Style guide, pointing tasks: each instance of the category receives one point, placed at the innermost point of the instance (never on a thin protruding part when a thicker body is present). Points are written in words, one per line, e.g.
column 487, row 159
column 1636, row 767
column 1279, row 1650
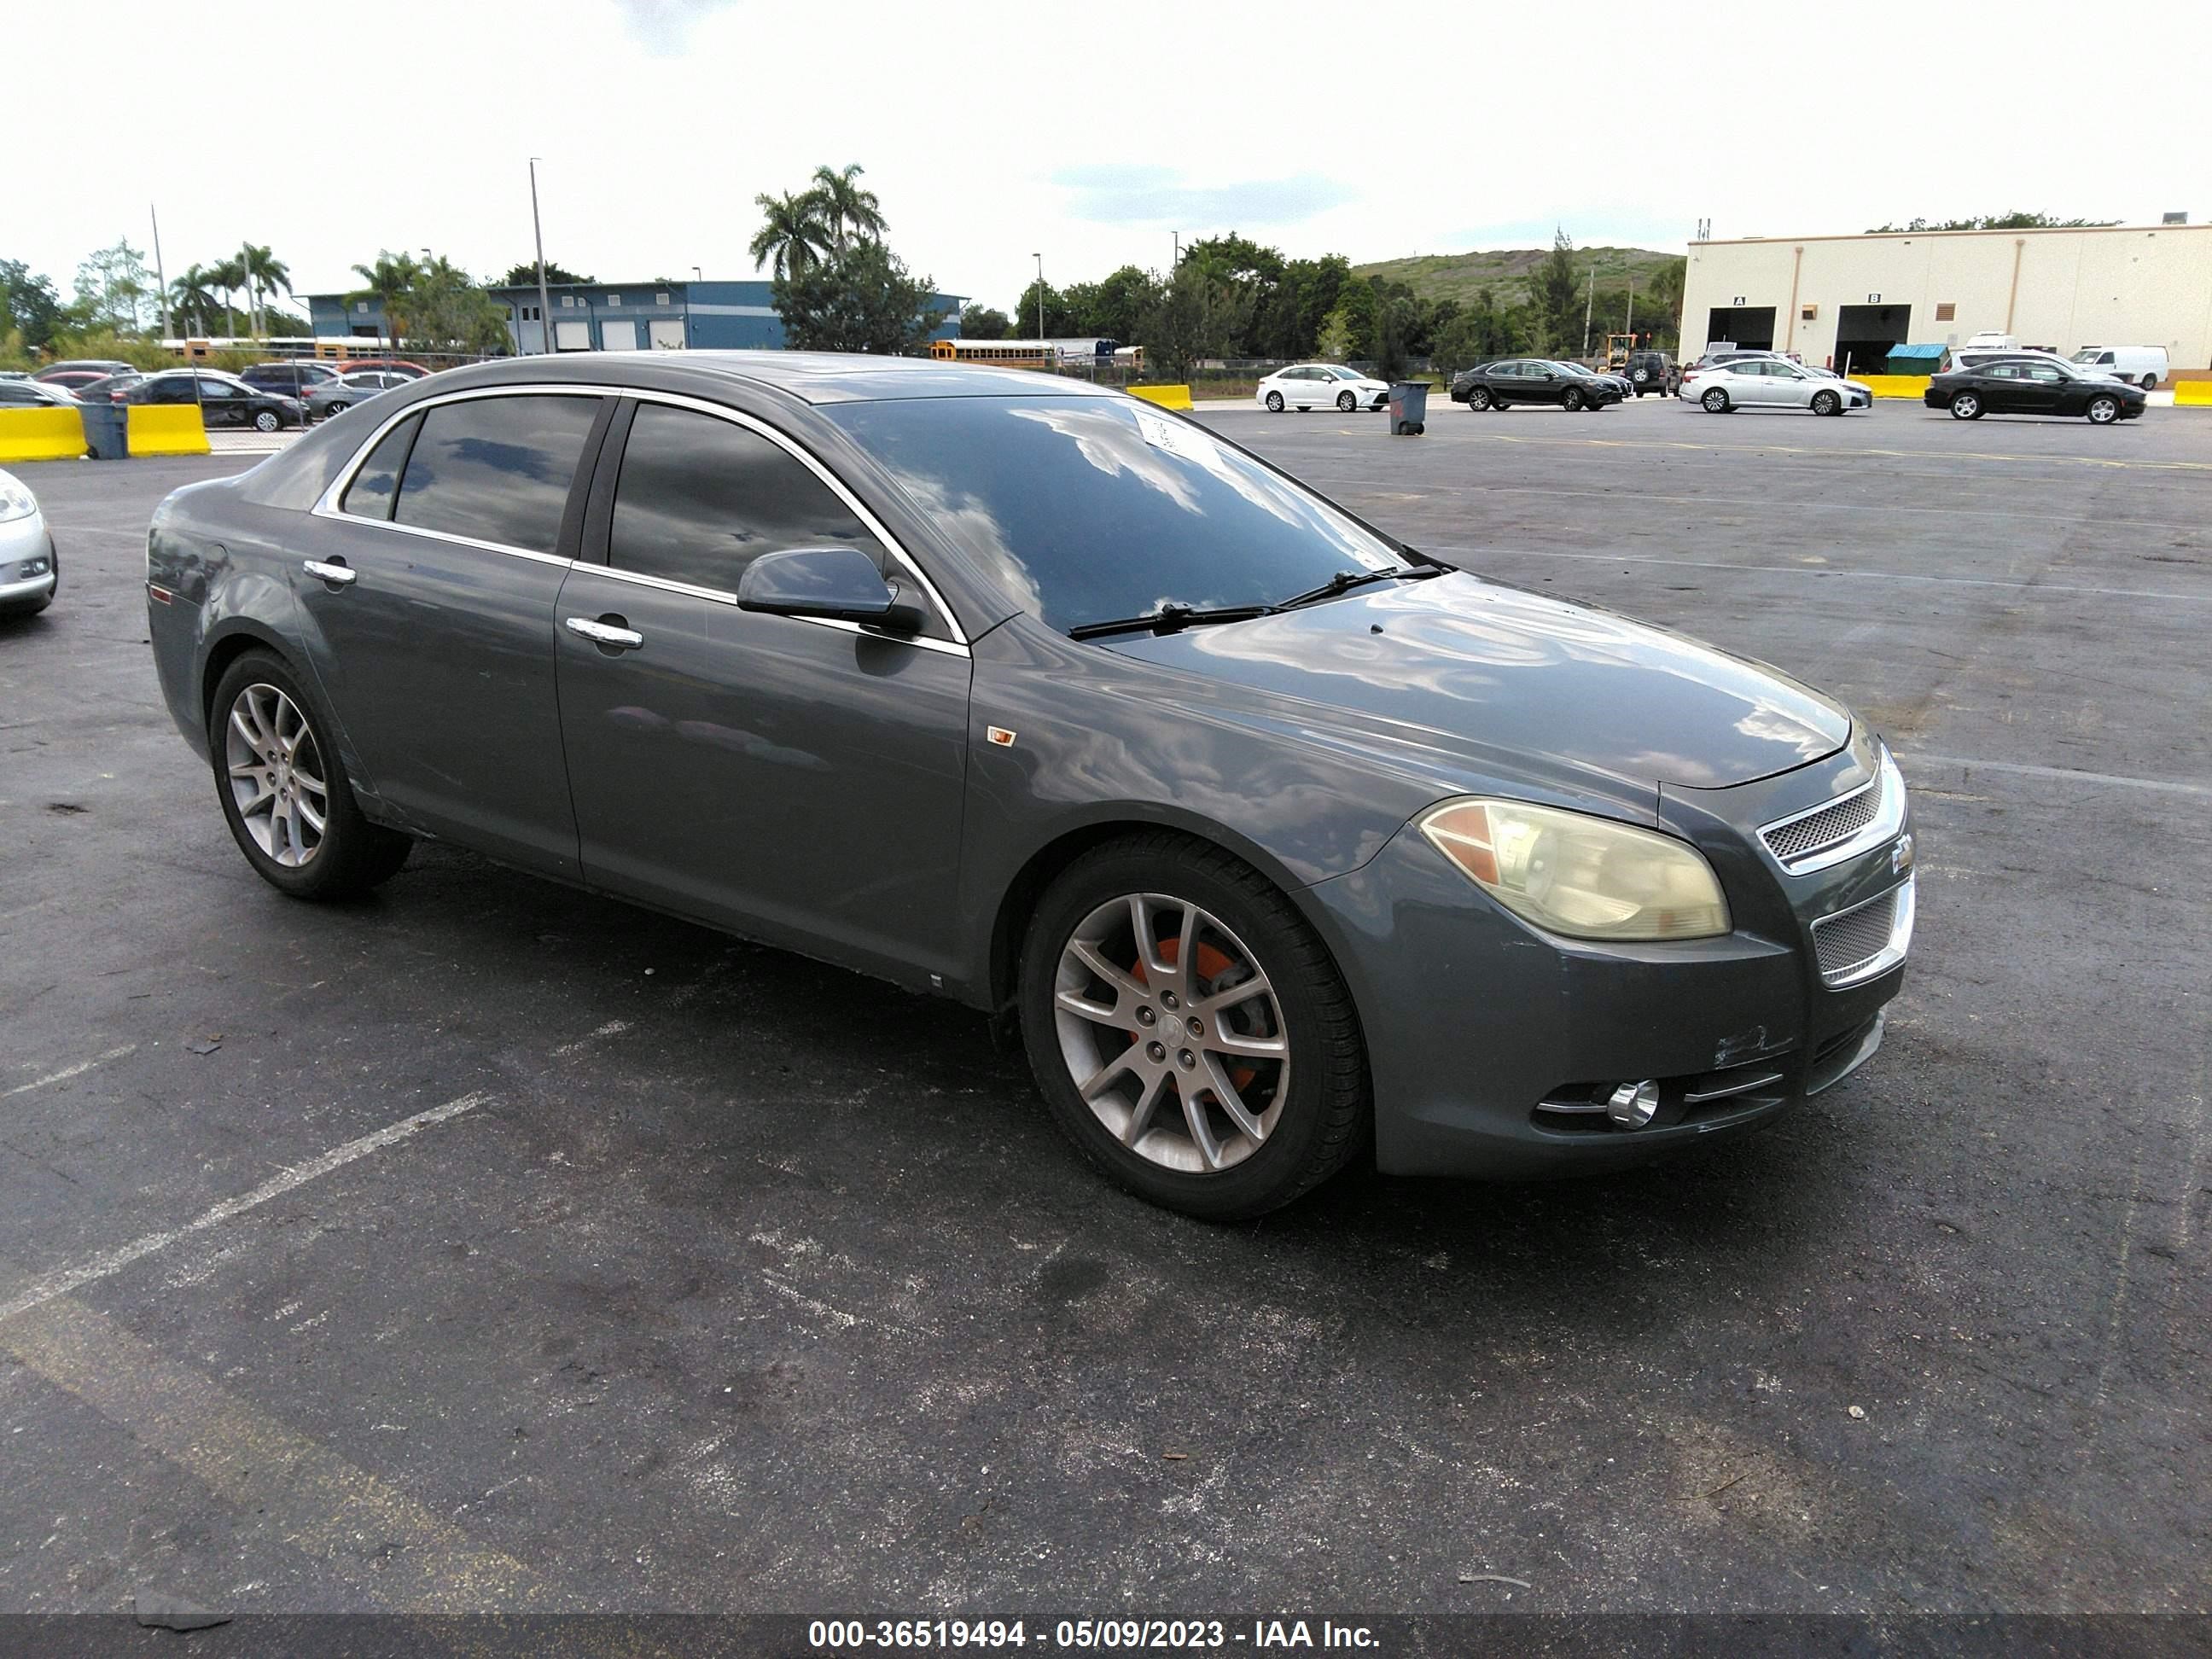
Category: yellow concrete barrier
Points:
column 2197, row 393
column 1894, row 386
column 166, row 429
column 1167, row 397
column 41, row 434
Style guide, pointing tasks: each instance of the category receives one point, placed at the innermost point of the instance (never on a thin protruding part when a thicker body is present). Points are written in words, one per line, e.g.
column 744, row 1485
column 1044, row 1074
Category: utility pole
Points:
column 1177, row 260
column 160, row 276
column 252, row 312
column 1039, row 258
column 1630, row 327
column 544, row 298
column 1589, row 305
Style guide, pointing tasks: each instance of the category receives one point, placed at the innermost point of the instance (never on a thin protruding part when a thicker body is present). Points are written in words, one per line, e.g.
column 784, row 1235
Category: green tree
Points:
column 448, row 312
column 2014, row 221
column 860, row 299
column 111, row 285
column 1059, row 316
column 1115, row 307
column 526, row 275
column 227, row 277
column 28, row 303
column 1193, row 315
column 793, row 237
column 1557, row 298
column 264, row 274
column 191, row 297
column 389, row 281
column 847, row 210
column 983, row 322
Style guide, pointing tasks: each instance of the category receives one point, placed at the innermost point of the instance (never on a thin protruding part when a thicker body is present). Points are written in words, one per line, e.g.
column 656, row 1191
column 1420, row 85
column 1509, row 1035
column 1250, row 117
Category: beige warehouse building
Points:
column 1829, row 298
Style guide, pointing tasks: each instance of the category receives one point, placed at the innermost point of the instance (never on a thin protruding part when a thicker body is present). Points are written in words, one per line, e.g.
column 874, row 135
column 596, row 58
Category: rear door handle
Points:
column 339, row 574
column 610, row 634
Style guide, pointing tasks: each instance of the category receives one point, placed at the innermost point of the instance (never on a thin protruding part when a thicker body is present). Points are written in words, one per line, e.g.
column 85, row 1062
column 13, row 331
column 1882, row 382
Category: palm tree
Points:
column 265, row 269
column 193, row 294
column 229, row 276
column 391, row 283
column 846, row 209
column 792, row 237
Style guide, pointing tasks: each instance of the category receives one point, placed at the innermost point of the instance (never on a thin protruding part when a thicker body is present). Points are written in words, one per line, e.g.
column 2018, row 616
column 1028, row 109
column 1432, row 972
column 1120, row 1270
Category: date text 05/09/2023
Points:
column 1092, row 1635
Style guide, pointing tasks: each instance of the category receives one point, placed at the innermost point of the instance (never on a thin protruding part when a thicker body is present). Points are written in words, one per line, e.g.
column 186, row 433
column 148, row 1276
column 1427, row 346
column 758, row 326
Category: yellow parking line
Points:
column 1887, row 454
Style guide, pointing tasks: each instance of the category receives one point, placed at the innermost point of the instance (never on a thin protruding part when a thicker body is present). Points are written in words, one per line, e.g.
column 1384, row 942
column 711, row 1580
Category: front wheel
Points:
column 283, row 791
column 1715, row 402
column 1274, row 403
column 1826, row 403
column 1346, row 402
column 2102, row 410
column 1573, row 400
column 1965, row 407
column 1189, row 1031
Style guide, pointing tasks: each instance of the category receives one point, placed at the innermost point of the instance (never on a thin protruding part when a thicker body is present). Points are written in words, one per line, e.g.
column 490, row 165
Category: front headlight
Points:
column 1588, row 877
column 15, row 501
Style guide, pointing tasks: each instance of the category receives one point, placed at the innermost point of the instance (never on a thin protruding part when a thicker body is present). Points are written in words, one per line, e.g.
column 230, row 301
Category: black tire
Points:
column 1965, row 406
column 1826, row 403
column 1481, row 401
column 353, row 855
column 1325, row 1120
column 1572, row 400
column 334, row 407
column 268, row 420
column 1346, row 402
column 2103, row 408
column 1274, row 403
column 1715, row 401
column 2150, row 383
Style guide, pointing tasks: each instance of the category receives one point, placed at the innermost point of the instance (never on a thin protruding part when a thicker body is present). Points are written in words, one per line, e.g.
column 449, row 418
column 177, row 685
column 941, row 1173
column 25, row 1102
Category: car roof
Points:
column 813, row 377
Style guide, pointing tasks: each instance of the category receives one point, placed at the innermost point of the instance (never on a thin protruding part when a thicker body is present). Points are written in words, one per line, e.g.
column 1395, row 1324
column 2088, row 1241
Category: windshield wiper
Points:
column 1170, row 617
column 1345, row 580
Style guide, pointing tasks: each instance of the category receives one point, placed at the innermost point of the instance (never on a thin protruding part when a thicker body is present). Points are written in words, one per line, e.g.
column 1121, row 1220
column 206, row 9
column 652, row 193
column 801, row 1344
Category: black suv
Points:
column 1652, row 371
column 290, row 379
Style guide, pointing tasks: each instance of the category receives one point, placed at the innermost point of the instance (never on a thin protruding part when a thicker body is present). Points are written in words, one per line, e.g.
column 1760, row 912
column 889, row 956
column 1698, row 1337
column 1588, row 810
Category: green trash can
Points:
column 1409, row 408
column 106, row 433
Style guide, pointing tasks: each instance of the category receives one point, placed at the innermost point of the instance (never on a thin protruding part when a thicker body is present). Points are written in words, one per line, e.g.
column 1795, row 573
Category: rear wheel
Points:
column 1715, row 402
column 2103, row 408
column 267, row 421
column 1275, row 403
column 283, row 792
column 1189, row 1031
column 1480, row 400
column 1965, row 406
column 2150, row 382
column 1826, row 403
column 1346, row 402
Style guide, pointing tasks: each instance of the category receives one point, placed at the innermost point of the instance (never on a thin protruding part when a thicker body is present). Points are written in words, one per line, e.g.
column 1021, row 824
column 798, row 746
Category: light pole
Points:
column 545, row 299
column 1039, row 258
column 1589, row 305
column 160, row 276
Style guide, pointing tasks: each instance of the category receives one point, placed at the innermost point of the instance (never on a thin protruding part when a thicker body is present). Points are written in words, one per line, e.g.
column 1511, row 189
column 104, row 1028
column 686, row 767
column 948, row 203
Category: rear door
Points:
column 435, row 645
column 793, row 780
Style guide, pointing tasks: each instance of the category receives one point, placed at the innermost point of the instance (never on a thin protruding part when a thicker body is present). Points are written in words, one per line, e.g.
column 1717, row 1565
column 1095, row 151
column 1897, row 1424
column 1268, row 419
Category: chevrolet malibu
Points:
column 1282, row 842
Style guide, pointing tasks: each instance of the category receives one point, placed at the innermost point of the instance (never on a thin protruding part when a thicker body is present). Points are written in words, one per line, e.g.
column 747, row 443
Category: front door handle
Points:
column 338, row 575
column 612, row 635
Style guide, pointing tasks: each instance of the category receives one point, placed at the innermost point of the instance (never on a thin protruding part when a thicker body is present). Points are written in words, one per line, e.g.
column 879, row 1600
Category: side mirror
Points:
column 839, row 583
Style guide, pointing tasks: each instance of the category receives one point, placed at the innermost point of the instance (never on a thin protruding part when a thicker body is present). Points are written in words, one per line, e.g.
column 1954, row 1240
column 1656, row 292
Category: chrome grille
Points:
column 1801, row 838
column 1855, row 937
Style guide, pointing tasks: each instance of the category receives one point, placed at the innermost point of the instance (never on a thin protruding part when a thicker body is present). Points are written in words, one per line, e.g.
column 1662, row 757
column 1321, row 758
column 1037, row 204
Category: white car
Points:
column 1775, row 383
column 1321, row 385
column 30, row 575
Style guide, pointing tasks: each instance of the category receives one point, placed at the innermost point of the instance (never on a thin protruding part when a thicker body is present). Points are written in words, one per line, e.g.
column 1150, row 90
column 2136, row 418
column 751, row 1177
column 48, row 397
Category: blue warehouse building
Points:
column 619, row 316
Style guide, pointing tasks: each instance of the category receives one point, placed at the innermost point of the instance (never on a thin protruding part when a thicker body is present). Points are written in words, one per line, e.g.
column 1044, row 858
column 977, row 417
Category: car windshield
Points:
column 1092, row 509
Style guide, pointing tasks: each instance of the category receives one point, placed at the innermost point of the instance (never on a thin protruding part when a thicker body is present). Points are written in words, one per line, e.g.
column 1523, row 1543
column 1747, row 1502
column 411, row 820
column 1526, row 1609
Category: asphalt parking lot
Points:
column 717, row 1280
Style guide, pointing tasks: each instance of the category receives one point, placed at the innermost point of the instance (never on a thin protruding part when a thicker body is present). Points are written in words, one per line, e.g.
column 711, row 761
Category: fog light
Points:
column 1633, row 1104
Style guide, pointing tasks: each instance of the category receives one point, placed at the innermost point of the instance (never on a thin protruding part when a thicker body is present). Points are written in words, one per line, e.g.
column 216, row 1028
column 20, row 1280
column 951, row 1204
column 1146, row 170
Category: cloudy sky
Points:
column 1087, row 132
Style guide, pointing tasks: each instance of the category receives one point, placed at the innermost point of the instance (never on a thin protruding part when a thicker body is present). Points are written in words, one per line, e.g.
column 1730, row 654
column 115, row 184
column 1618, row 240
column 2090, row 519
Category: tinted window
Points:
column 497, row 468
column 2043, row 372
column 370, row 494
column 1091, row 509
column 700, row 498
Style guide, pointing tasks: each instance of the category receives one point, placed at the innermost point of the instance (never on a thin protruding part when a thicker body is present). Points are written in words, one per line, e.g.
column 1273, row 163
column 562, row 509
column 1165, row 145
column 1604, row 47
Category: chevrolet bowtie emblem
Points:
column 1901, row 855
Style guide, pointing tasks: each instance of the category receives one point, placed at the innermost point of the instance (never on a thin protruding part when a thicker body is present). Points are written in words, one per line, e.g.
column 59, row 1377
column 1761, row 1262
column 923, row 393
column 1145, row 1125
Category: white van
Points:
column 2144, row 365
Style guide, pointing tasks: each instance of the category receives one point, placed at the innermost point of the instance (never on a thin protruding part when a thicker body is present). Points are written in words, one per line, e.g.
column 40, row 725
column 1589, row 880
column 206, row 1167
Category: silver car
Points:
column 335, row 397
column 30, row 575
column 1776, row 383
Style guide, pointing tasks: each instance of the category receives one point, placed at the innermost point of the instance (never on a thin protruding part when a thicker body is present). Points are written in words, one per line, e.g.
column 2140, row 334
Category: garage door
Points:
column 572, row 337
column 668, row 334
column 620, row 336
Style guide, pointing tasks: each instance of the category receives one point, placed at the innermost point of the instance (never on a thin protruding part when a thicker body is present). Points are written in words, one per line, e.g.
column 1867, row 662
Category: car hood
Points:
column 1456, row 656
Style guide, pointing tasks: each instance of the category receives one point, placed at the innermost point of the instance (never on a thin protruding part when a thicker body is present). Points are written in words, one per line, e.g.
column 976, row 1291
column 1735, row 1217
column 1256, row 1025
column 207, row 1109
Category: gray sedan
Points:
column 341, row 392
column 1281, row 842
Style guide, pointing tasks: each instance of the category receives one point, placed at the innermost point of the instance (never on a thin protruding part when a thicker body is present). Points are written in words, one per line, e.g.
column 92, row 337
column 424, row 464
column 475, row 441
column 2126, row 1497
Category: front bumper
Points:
column 1493, row 1046
column 26, row 562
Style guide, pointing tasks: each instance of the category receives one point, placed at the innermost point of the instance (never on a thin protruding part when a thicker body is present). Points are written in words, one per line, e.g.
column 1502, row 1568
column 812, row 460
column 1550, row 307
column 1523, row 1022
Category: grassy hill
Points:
column 1505, row 271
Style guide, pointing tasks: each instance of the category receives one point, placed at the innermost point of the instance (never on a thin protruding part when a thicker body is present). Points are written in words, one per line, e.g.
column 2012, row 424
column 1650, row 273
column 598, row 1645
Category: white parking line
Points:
column 39, row 1291
column 68, row 1071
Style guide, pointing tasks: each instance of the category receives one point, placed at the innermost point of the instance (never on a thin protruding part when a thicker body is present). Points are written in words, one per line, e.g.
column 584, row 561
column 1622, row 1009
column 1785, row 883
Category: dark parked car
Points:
column 109, row 389
column 79, row 370
column 76, row 380
column 35, row 394
column 1279, row 839
column 1535, row 380
column 2033, row 386
column 288, row 380
column 1651, row 371
column 223, row 399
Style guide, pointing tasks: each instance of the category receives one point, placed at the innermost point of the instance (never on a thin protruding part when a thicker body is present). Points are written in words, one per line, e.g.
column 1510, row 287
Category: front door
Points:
column 795, row 781
column 435, row 642
column 1539, row 383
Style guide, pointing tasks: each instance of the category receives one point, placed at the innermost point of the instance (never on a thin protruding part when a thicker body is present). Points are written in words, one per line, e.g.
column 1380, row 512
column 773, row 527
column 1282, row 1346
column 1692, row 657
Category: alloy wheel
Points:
column 2104, row 409
column 1715, row 401
column 266, row 421
column 1172, row 1033
column 276, row 777
column 1965, row 406
column 1346, row 402
column 1479, row 398
column 1275, row 403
